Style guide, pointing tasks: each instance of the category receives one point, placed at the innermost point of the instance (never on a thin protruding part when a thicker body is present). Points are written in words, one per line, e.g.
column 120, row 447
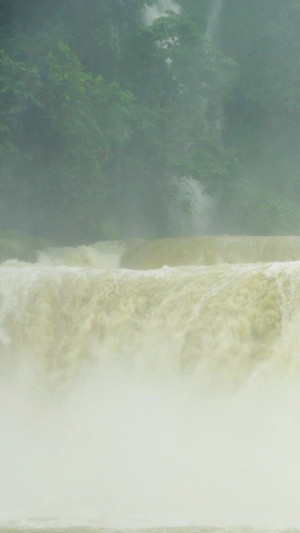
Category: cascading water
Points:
column 213, row 20
column 213, row 120
column 151, row 398
column 197, row 219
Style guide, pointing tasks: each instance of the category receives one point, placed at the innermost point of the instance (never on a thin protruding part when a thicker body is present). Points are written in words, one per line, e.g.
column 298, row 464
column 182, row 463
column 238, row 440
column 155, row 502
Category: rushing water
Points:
column 140, row 399
column 213, row 19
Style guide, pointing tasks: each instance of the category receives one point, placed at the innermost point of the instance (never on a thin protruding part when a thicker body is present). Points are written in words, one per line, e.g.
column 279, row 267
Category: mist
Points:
column 149, row 275
column 106, row 107
column 125, row 451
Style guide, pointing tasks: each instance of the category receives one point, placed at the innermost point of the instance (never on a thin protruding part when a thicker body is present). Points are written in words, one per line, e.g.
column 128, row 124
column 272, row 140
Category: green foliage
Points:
column 63, row 129
column 98, row 112
column 262, row 114
column 16, row 245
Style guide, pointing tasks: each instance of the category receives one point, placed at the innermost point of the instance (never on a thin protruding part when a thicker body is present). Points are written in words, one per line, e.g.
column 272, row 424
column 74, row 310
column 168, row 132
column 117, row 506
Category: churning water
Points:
column 139, row 398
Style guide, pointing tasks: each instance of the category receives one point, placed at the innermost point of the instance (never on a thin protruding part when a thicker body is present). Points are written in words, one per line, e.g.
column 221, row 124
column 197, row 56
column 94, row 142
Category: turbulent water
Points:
column 152, row 385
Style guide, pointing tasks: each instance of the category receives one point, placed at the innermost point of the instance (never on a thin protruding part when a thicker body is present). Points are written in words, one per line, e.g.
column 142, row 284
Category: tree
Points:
column 262, row 115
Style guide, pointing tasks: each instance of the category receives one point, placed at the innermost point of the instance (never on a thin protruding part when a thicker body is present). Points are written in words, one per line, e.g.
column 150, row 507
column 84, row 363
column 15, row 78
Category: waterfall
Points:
column 146, row 254
column 202, row 206
column 213, row 119
column 213, row 20
column 151, row 384
column 191, row 209
column 196, row 218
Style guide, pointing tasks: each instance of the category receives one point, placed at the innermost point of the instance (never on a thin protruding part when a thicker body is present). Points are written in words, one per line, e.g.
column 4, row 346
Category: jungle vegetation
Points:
column 100, row 110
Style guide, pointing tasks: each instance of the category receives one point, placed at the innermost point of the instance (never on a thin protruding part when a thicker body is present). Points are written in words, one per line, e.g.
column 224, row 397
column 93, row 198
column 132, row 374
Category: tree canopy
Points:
column 100, row 111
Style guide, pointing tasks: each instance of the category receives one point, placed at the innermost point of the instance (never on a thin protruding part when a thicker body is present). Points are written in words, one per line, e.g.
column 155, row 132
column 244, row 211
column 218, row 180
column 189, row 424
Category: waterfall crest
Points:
column 190, row 317
column 148, row 254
